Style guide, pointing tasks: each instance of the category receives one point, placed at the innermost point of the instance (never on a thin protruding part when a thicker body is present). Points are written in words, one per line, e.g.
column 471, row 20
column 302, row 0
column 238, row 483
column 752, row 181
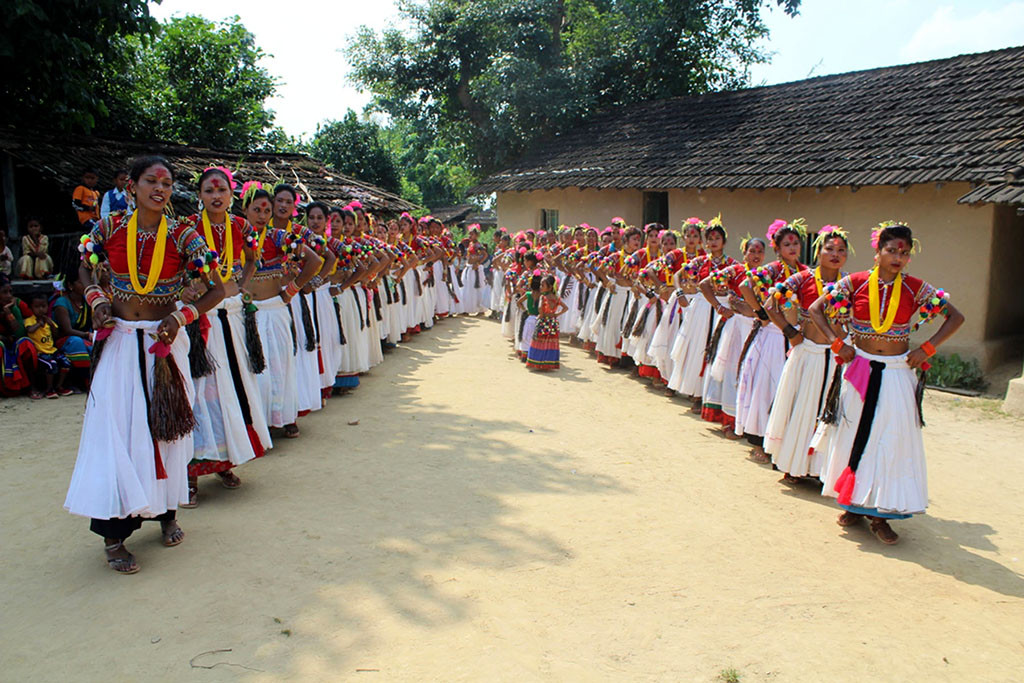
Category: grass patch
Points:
column 729, row 676
column 954, row 372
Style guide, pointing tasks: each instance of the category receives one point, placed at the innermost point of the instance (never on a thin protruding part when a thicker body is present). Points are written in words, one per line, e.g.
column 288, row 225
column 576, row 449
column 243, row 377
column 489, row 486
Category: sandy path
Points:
column 484, row 522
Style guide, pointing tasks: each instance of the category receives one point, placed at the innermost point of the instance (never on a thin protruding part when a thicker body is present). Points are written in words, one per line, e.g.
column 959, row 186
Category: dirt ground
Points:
column 482, row 522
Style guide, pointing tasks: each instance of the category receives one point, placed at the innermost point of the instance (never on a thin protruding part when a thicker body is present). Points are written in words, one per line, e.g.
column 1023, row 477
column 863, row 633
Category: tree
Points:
column 501, row 74
column 355, row 148
column 434, row 172
column 198, row 82
column 50, row 51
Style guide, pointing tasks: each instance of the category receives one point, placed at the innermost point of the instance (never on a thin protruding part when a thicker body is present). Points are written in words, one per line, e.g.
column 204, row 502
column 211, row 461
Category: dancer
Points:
column 809, row 370
column 137, row 432
column 231, row 427
column 876, row 461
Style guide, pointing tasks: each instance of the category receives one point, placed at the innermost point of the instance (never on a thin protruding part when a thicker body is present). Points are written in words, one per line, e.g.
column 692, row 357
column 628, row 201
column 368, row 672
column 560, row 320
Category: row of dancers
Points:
column 216, row 333
column 811, row 364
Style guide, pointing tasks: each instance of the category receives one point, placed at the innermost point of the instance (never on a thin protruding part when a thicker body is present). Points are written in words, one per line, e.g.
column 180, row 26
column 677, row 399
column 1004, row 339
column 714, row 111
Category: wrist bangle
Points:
column 837, row 345
column 762, row 314
column 180, row 317
column 789, row 331
column 928, row 348
column 292, row 289
column 189, row 313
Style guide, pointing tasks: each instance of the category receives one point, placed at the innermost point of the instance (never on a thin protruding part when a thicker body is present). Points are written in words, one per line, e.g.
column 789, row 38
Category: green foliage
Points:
column 198, row 82
column 356, row 148
column 955, row 372
column 49, row 53
column 729, row 676
column 498, row 75
column 432, row 170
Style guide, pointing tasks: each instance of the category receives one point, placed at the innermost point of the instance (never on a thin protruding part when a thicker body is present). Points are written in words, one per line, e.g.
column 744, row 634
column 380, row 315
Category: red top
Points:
column 239, row 228
column 915, row 292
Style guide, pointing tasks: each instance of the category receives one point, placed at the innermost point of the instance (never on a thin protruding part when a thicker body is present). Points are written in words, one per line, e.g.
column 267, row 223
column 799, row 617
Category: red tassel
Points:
column 204, row 327
column 844, row 486
column 254, row 441
column 161, row 473
column 320, row 361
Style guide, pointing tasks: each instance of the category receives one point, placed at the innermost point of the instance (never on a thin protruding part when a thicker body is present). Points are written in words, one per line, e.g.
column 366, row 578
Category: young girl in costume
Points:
column 74, row 325
column 876, row 463
column 660, row 348
column 688, row 362
column 723, row 357
column 808, row 373
column 529, row 303
column 285, row 264
column 543, row 353
column 231, row 427
column 137, row 432
column 766, row 347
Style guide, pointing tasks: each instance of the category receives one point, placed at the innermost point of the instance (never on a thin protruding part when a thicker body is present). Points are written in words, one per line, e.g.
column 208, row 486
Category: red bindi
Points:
column 215, row 183
column 161, row 172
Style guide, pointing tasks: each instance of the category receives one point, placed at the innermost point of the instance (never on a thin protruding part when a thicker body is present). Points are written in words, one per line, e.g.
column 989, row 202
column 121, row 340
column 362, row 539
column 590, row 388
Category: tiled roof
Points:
column 958, row 119
column 65, row 158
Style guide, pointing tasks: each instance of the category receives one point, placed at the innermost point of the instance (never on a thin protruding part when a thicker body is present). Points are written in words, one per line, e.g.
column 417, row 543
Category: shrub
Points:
column 955, row 372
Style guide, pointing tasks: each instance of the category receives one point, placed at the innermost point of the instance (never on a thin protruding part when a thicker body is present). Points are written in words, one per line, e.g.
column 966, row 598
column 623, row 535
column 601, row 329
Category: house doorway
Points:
column 656, row 208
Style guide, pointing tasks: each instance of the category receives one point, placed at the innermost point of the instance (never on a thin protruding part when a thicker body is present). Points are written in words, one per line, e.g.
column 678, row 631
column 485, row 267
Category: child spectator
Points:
column 115, row 199
column 74, row 325
column 35, row 262
column 86, row 200
column 6, row 257
column 52, row 365
column 17, row 354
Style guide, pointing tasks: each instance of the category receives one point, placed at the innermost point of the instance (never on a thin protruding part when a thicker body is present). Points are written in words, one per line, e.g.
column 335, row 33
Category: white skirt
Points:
column 721, row 379
column 795, row 410
column 639, row 345
column 660, row 349
column 375, row 353
column 891, row 477
column 529, row 327
column 355, row 354
column 115, row 472
column 428, row 299
column 474, row 289
column 569, row 322
column 609, row 335
column 497, row 290
column 759, row 378
column 277, row 383
column 443, row 303
column 307, row 363
column 688, row 349
column 223, row 430
column 330, row 338
column 586, row 330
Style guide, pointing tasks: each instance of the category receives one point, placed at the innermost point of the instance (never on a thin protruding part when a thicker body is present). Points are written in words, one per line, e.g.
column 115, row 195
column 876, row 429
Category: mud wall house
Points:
column 938, row 145
column 39, row 173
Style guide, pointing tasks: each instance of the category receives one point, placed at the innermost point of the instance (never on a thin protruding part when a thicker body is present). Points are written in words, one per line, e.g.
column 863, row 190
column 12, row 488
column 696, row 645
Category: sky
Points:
column 305, row 39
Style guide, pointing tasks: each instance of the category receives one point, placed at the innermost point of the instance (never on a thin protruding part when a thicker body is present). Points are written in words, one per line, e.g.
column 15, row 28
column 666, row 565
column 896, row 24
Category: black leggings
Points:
column 123, row 528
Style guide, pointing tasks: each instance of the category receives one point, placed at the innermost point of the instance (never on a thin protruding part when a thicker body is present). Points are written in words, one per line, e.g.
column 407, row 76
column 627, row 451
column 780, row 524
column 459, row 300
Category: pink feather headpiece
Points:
column 777, row 224
column 226, row 171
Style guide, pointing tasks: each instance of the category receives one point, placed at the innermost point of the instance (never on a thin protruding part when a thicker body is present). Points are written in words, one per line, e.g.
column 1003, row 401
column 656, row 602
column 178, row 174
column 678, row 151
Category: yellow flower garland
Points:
column 156, row 264
column 226, row 258
column 874, row 303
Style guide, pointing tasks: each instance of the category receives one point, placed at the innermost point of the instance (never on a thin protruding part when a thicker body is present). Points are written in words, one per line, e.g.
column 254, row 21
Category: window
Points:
column 656, row 208
column 549, row 219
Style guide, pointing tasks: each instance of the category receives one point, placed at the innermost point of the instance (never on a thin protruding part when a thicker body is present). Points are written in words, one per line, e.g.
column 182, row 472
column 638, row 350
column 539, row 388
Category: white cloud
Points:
column 948, row 32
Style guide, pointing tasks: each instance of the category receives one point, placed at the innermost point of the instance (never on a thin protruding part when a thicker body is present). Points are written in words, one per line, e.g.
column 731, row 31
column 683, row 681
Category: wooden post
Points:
column 10, row 204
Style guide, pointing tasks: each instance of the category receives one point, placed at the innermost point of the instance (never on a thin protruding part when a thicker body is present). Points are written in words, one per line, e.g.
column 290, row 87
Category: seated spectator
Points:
column 86, row 200
column 115, row 199
column 52, row 366
column 74, row 325
column 17, row 352
column 6, row 257
column 35, row 262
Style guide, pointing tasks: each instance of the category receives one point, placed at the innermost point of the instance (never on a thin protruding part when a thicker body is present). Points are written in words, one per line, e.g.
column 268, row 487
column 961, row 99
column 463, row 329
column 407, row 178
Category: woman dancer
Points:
column 325, row 314
column 721, row 375
column 279, row 255
column 876, row 462
column 474, row 289
column 137, row 432
column 809, row 370
column 231, row 428
column 766, row 347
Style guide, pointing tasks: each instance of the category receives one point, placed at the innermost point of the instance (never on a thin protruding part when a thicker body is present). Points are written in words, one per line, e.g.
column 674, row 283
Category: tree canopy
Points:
column 497, row 75
column 356, row 148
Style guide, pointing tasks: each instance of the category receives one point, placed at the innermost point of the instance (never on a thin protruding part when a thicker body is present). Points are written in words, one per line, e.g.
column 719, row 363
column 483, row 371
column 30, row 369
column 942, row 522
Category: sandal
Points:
column 52, row 394
column 193, row 497
column 121, row 565
column 65, row 392
column 849, row 519
column 229, row 480
column 291, row 431
column 173, row 534
column 883, row 532
column 35, row 395
column 728, row 433
column 759, row 456
column 788, row 478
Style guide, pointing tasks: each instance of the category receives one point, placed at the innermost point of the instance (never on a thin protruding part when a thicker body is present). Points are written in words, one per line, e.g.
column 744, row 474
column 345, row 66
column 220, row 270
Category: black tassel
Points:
column 387, row 292
column 337, row 316
column 660, row 306
column 401, row 289
column 712, row 347
column 508, row 310
column 581, row 296
column 307, row 323
column 922, row 380
column 199, row 361
column 627, row 326
column 362, row 322
column 830, row 413
column 638, row 329
column 376, row 308
column 168, row 411
column 746, row 345
column 476, row 277
column 97, row 351
column 316, row 317
column 253, row 343
column 522, row 325
column 295, row 336
column 458, row 276
column 419, row 283
column 565, row 287
column 600, row 296
column 605, row 312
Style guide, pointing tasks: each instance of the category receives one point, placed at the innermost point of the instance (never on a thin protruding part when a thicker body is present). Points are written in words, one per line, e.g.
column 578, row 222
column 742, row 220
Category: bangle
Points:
column 928, row 348
column 189, row 313
column 762, row 314
column 837, row 345
column 292, row 289
column 789, row 331
column 180, row 317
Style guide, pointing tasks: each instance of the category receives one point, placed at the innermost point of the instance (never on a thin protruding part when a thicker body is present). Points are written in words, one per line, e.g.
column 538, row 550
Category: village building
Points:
column 39, row 173
column 938, row 145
